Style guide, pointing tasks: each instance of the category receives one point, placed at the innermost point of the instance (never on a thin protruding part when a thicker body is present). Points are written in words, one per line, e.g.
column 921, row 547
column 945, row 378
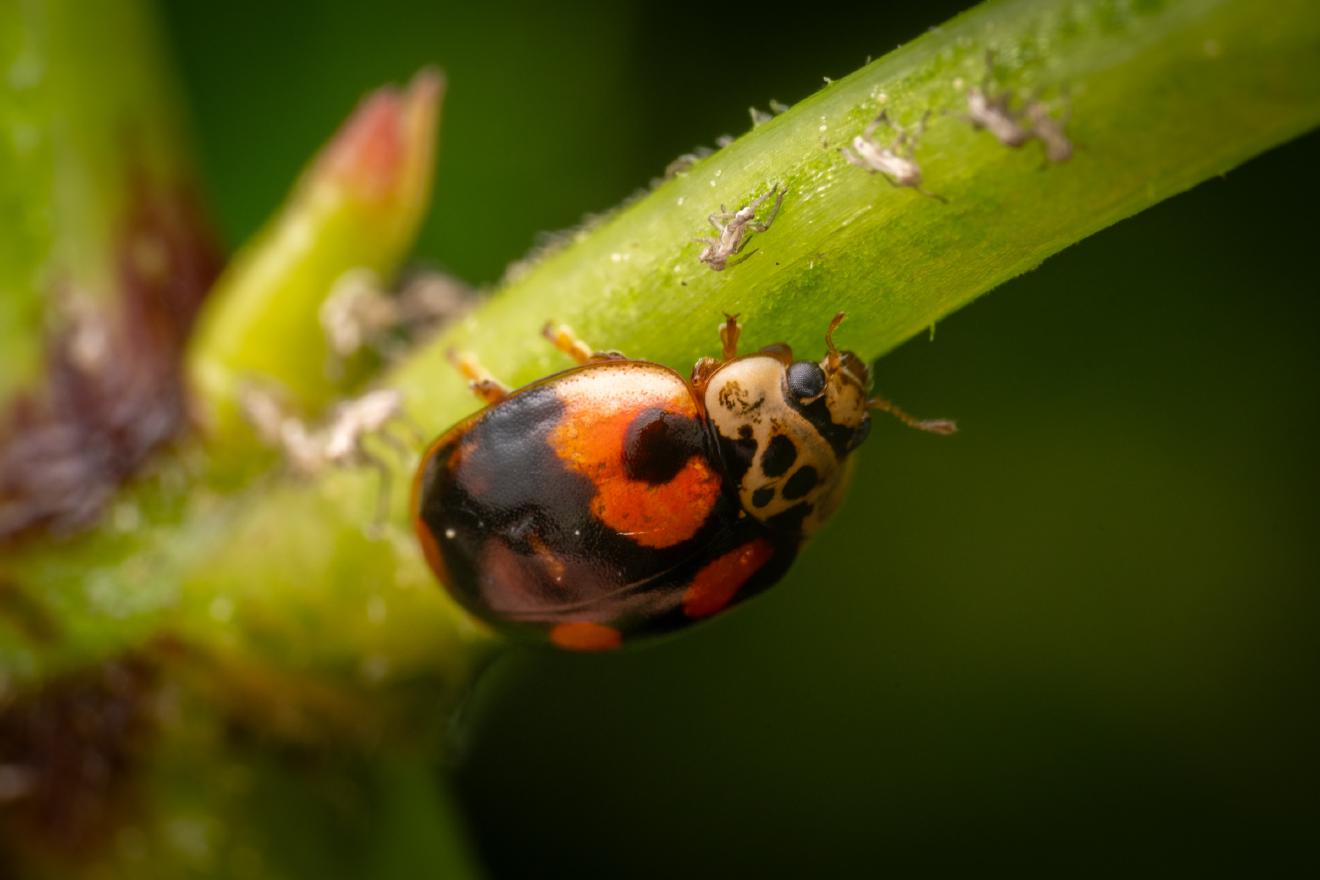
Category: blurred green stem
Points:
column 1161, row 96
column 357, row 207
column 139, row 734
column 87, row 120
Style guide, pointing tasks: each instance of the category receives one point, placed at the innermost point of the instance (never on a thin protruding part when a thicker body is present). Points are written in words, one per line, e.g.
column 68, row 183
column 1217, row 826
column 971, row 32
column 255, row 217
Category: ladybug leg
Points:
column 934, row 426
column 482, row 383
column 564, row 339
column 730, row 330
column 729, row 333
column 832, row 358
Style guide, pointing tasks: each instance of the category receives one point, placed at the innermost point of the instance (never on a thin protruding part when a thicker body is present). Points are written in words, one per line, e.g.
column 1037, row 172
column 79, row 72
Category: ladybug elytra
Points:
column 617, row 499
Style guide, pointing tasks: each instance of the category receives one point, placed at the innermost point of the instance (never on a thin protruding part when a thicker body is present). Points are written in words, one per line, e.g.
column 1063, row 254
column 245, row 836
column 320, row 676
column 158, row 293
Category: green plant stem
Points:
column 298, row 625
column 1161, row 97
column 275, row 583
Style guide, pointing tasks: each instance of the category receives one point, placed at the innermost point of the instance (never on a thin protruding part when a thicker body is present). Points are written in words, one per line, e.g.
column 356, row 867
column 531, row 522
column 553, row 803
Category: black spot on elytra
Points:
column 745, row 432
column 763, row 496
column 521, row 543
column 779, row 456
column 801, row 482
column 658, row 444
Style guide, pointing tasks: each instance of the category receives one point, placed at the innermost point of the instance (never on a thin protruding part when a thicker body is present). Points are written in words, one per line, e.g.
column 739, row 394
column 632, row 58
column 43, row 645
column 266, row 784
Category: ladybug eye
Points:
column 806, row 380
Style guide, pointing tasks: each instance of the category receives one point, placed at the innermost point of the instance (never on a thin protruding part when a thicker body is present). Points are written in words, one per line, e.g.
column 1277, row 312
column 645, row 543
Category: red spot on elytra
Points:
column 599, row 408
column 715, row 585
column 586, row 636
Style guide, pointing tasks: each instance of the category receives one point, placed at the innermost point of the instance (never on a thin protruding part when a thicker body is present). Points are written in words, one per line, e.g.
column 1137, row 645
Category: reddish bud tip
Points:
column 387, row 139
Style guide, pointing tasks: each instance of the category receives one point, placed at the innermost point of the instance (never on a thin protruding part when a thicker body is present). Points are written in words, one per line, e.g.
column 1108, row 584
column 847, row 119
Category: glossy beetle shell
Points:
column 618, row 499
column 589, row 506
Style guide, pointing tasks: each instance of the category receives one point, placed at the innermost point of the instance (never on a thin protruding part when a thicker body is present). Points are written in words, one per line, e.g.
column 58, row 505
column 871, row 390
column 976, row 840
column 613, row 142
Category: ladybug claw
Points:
column 482, row 383
column 564, row 339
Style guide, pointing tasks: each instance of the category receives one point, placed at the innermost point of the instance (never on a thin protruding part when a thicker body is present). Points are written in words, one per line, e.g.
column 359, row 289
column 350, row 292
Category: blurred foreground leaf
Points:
column 357, row 207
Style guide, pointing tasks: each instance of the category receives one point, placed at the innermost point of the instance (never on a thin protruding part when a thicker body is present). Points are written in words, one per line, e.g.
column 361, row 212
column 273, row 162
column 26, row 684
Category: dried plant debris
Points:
column 1015, row 126
column 684, row 163
column 1051, row 131
column 760, row 117
column 894, row 161
column 735, row 228
column 342, row 440
column 548, row 243
column 361, row 314
column 994, row 112
column 112, row 388
column 68, row 753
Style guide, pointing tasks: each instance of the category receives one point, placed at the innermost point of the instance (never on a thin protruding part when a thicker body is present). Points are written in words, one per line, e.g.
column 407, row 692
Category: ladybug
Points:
column 618, row 499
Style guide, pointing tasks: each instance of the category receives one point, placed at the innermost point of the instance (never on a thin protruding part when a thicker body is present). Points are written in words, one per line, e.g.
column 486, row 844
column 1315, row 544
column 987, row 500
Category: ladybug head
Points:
column 831, row 394
column 786, row 428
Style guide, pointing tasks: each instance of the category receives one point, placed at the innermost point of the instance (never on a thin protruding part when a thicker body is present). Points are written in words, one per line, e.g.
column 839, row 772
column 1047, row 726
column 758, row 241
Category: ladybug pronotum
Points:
column 617, row 499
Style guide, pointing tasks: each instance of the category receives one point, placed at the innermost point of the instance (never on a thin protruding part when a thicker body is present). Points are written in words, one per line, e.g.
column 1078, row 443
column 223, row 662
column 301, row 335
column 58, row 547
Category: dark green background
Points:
column 1080, row 636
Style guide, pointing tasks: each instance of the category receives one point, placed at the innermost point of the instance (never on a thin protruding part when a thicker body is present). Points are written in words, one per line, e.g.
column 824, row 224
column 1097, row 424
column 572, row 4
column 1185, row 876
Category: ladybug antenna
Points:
column 832, row 359
column 933, row 426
